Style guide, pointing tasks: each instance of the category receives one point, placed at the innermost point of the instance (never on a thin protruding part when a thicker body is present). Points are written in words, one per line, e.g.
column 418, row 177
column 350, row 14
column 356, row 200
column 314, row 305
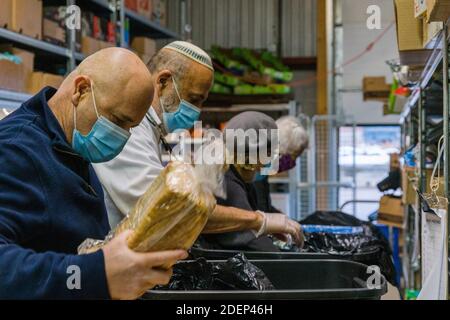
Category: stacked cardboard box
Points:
column 53, row 26
column 410, row 35
column 27, row 57
column 438, row 10
column 144, row 8
column 159, row 12
column 26, row 17
column 5, row 13
column 14, row 74
column 131, row 5
column 391, row 211
column 38, row 80
column 91, row 45
column 376, row 88
column 144, row 47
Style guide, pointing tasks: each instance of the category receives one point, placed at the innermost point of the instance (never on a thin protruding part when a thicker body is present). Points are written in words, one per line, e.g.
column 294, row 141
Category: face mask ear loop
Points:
column 93, row 98
column 176, row 88
column 75, row 117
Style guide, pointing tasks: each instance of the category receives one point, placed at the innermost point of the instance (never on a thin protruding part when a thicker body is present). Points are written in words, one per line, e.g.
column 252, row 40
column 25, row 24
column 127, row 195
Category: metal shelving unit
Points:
column 156, row 31
column 34, row 43
column 250, row 107
column 414, row 132
column 13, row 100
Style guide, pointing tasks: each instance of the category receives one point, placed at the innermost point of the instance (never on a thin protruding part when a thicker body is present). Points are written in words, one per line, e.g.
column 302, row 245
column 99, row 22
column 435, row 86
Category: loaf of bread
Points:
column 170, row 215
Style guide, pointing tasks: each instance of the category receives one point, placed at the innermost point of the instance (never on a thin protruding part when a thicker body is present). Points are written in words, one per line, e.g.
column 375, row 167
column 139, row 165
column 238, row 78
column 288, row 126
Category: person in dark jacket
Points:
column 241, row 192
column 294, row 141
column 50, row 197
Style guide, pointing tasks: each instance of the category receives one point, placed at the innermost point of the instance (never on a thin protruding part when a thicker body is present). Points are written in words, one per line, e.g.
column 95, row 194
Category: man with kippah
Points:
column 182, row 77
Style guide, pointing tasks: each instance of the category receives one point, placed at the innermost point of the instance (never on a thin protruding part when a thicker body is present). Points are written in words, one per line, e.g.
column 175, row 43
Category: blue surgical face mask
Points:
column 103, row 143
column 184, row 118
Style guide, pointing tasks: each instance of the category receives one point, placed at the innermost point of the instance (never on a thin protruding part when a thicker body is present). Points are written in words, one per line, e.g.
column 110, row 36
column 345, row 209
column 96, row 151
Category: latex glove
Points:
column 281, row 226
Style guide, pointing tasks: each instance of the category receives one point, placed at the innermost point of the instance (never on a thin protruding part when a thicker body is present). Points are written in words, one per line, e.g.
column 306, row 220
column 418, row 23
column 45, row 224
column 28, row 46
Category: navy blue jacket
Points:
column 50, row 202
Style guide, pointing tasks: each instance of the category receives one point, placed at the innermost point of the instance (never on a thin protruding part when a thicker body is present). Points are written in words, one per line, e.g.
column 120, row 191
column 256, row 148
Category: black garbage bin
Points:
column 294, row 280
column 370, row 248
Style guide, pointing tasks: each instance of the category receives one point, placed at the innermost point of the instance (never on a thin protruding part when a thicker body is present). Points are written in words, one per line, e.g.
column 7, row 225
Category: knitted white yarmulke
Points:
column 191, row 51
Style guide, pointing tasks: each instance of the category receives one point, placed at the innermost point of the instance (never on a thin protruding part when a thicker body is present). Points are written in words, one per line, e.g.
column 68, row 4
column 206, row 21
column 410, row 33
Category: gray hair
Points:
column 292, row 135
column 169, row 60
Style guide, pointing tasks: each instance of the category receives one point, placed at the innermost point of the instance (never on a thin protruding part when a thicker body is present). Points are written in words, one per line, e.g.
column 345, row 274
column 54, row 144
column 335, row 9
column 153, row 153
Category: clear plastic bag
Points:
column 173, row 211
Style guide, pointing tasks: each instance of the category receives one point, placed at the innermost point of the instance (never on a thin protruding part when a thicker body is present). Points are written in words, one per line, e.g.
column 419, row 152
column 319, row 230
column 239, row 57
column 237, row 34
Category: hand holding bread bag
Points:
column 173, row 211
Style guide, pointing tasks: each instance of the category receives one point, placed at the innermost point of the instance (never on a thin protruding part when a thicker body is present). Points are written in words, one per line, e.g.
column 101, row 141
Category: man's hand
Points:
column 279, row 224
column 131, row 274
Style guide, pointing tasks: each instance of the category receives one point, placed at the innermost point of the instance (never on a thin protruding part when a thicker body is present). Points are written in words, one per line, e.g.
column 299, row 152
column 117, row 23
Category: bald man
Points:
column 50, row 197
column 182, row 75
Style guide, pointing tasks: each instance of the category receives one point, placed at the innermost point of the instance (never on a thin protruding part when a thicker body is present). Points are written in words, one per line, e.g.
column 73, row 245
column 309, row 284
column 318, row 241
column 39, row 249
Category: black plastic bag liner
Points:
column 236, row 273
column 195, row 275
column 239, row 274
column 369, row 241
column 293, row 280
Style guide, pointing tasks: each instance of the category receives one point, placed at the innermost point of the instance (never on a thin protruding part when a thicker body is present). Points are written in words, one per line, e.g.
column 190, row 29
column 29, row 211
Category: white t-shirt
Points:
column 127, row 177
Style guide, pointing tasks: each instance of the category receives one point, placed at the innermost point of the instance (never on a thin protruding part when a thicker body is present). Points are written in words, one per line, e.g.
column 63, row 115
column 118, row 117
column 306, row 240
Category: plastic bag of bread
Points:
column 173, row 211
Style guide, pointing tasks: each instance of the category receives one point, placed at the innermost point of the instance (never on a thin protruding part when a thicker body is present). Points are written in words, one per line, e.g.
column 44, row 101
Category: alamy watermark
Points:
column 252, row 148
column 374, row 19
column 73, row 17
column 74, row 279
column 374, row 280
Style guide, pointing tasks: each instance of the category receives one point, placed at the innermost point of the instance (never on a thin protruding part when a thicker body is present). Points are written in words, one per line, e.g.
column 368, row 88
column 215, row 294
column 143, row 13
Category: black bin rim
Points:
column 220, row 254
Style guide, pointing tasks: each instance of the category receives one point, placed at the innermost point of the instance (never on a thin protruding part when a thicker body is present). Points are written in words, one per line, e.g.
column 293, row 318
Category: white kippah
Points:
column 191, row 51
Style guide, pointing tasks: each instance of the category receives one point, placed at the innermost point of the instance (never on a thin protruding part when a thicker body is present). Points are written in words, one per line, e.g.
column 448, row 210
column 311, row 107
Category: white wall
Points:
column 356, row 38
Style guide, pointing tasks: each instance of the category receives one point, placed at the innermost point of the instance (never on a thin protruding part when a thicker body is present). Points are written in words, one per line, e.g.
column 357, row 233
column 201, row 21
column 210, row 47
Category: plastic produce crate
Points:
column 294, row 280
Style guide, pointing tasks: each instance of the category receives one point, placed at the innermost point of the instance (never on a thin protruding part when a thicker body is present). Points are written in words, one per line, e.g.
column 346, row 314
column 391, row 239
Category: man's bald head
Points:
column 122, row 86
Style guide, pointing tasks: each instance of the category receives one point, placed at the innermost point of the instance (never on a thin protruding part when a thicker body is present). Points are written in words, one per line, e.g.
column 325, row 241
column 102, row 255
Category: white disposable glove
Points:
column 282, row 227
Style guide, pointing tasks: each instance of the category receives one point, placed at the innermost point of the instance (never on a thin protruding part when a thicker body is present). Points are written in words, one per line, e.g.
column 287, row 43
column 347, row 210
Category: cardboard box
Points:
column 89, row 45
column 376, row 88
column 415, row 58
column 144, row 45
column 144, row 8
column 27, row 17
column 409, row 29
column 420, row 8
column 12, row 76
column 159, row 12
column 131, row 4
column 5, row 13
column 438, row 10
column 105, row 44
column 53, row 33
column 38, row 80
column 430, row 32
column 26, row 56
column 391, row 211
column 394, row 161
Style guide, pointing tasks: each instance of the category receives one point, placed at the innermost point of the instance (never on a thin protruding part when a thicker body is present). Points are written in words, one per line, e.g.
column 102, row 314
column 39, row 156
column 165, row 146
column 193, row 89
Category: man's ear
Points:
column 162, row 81
column 82, row 85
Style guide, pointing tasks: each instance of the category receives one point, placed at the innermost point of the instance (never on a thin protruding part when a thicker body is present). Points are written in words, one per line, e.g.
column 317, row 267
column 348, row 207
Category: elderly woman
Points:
column 293, row 142
column 241, row 193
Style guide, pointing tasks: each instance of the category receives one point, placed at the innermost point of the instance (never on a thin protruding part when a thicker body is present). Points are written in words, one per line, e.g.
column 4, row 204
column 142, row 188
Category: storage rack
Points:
column 139, row 25
column 118, row 14
column 414, row 130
